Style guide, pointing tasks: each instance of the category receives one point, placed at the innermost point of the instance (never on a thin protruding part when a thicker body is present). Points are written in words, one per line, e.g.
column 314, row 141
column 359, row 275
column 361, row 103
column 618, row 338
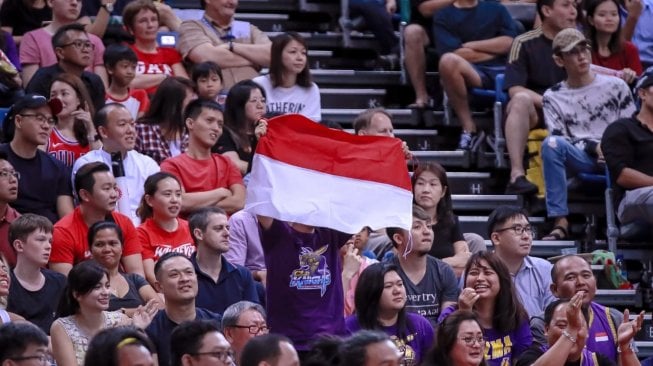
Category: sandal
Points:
column 555, row 234
column 421, row 105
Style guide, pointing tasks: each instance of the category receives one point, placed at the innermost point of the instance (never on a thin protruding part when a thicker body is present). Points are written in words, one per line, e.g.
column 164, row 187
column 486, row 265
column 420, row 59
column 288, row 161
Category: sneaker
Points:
column 469, row 141
column 521, row 185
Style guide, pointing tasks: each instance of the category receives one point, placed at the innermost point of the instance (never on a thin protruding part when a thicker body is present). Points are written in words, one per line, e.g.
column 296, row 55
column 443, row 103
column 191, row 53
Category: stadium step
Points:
column 485, row 202
column 352, row 98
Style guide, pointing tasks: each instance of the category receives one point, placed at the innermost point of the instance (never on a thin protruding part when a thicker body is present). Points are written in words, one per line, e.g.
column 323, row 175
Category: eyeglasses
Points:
column 470, row 340
column 42, row 359
column 253, row 329
column 80, row 45
column 518, row 229
column 223, row 356
column 6, row 174
column 41, row 118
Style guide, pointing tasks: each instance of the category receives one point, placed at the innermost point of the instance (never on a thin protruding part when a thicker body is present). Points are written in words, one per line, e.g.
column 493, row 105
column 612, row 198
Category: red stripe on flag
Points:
column 296, row 140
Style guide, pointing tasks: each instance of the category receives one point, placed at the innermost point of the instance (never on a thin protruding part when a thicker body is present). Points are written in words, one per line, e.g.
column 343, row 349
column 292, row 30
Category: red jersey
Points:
column 203, row 175
column 157, row 242
column 156, row 63
column 137, row 101
column 63, row 149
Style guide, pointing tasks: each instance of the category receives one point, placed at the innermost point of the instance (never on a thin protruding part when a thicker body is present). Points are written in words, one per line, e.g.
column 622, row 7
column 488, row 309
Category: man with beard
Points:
column 430, row 284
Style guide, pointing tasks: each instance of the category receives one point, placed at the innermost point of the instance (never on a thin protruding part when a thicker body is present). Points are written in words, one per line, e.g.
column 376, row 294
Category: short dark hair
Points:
column 418, row 213
column 194, row 108
column 61, row 35
column 164, row 258
column 556, row 264
column 503, row 214
column 186, row 339
column 105, row 346
column 551, row 308
column 364, row 118
column 84, row 177
column 117, row 52
column 15, row 337
column 353, row 350
column 102, row 116
column 542, row 3
column 276, row 60
column 262, row 348
column 204, row 69
column 199, row 219
column 102, row 225
column 27, row 224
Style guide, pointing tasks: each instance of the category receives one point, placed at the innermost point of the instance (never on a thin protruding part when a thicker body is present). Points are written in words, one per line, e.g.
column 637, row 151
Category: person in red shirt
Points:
column 97, row 192
column 162, row 230
column 207, row 179
column 155, row 64
column 8, row 192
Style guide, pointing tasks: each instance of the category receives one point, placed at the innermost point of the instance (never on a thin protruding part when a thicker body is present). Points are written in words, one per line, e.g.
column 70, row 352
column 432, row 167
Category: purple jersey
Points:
column 602, row 337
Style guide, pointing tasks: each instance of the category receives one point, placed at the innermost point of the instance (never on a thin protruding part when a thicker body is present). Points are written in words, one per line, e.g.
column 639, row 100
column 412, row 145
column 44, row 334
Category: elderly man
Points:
column 241, row 322
column 239, row 48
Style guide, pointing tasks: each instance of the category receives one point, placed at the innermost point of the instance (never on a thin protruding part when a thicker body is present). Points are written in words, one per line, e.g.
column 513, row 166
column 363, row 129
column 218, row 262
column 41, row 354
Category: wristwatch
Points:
column 108, row 7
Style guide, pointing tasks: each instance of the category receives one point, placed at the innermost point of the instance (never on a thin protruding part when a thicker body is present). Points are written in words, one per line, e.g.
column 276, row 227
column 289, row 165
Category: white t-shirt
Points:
column 296, row 99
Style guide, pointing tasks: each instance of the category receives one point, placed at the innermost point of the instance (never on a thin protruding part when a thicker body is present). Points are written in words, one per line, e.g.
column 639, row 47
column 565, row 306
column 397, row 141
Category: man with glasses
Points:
column 23, row 343
column 241, row 322
column 8, row 193
column 512, row 237
column 576, row 111
column 26, row 126
column 220, row 283
column 199, row 343
column 74, row 51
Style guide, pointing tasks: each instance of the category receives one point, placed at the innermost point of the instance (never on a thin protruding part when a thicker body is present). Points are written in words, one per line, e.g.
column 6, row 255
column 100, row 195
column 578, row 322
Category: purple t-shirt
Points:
column 304, row 282
column 501, row 348
column 417, row 342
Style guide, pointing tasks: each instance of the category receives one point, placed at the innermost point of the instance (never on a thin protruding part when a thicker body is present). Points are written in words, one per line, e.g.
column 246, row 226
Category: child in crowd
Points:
column 120, row 62
column 207, row 77
column 161, row 229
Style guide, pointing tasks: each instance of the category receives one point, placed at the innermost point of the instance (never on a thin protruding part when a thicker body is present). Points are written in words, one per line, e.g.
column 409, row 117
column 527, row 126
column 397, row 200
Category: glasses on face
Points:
column 41, row 359
column 41, row 118
column 578, row 50
column 518, row 229
column 224, row 356
column 254, row 329
column 79, row 44
column 470, row 340
column 6, row 174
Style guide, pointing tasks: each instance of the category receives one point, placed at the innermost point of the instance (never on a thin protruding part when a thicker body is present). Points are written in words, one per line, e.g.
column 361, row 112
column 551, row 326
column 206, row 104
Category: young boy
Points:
column 34, row 288
column 208, row 78
column 120, row 62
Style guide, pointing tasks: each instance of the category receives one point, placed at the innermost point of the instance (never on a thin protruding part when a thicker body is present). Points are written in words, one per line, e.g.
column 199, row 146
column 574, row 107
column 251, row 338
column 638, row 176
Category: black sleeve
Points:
column 604, row 361
column 617, row 148
column 225, row 143
column 529, row 356
column 40, row 83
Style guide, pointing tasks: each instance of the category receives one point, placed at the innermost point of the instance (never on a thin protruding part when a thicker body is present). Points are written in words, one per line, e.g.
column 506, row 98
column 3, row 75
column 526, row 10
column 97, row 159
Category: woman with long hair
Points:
column 288, row 86
column 244, row 107
column 490, row 294
column 161, row 229
column 142, row 20
column 74, row 134
column 459, row 341
column 609, row 48
column 128, row 291
column 431, row 192
column 82, row 313
column 161, row 132
column 381, row 305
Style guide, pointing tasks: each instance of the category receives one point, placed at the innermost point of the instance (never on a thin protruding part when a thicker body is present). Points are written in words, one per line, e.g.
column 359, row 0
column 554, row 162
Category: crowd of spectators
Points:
column 123, row 174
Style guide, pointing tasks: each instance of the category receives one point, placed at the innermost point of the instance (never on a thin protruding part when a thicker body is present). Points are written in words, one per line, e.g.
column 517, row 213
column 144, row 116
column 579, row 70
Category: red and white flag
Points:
column 306, row 173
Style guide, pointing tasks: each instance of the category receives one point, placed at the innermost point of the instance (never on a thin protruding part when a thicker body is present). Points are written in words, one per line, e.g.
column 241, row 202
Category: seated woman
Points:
column 74, row 134
column 5, row 282
column 128, row 290
column 155, row 64
column 609, row 49
column 491, row 295
column 288, row 87
column 82, row 313
column 459, row 342
column 381, row 305
column 161, row 230
column 121, row 346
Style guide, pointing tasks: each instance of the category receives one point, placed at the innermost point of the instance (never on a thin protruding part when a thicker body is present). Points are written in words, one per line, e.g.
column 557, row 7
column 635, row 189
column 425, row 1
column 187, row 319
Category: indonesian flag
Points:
column 307, row 173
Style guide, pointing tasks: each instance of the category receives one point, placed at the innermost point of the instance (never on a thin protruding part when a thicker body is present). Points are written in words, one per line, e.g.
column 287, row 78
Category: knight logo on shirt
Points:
column 313, row 272
column 601, row 337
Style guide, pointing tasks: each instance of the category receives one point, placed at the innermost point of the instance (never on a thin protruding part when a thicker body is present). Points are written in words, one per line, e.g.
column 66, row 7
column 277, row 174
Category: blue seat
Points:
column 3, row 114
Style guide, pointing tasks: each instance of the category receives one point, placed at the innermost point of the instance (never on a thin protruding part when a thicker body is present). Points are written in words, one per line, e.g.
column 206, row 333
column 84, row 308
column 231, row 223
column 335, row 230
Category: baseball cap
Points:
column 28, row 101
column 567, row 39
column 645, row 80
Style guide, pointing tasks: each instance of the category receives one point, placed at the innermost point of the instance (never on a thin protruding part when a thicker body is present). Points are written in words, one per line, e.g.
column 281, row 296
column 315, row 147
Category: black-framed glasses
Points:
column 224, row 356
column 41, row 118
column 80, row 45
column 518, row 229
column 6, row 174
column 254, row 329
column 470, row 340
column 43, row 359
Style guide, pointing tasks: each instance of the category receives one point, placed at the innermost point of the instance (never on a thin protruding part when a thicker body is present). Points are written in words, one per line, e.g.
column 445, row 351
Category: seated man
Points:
column 269, row 349
column 27, row 126
column 8, row 192
column 576, row 112
column 625, row 143
column 472, row 38
column 207, row 179
column 23, row 341
column 196, row 339
column 115, row 127
column 376, row 347
column 241, row 322
column 239, row 48
column 96, row 190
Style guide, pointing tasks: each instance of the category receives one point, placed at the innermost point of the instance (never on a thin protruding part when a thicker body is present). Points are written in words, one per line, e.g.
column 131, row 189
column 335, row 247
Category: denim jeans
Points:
column 559, row 157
